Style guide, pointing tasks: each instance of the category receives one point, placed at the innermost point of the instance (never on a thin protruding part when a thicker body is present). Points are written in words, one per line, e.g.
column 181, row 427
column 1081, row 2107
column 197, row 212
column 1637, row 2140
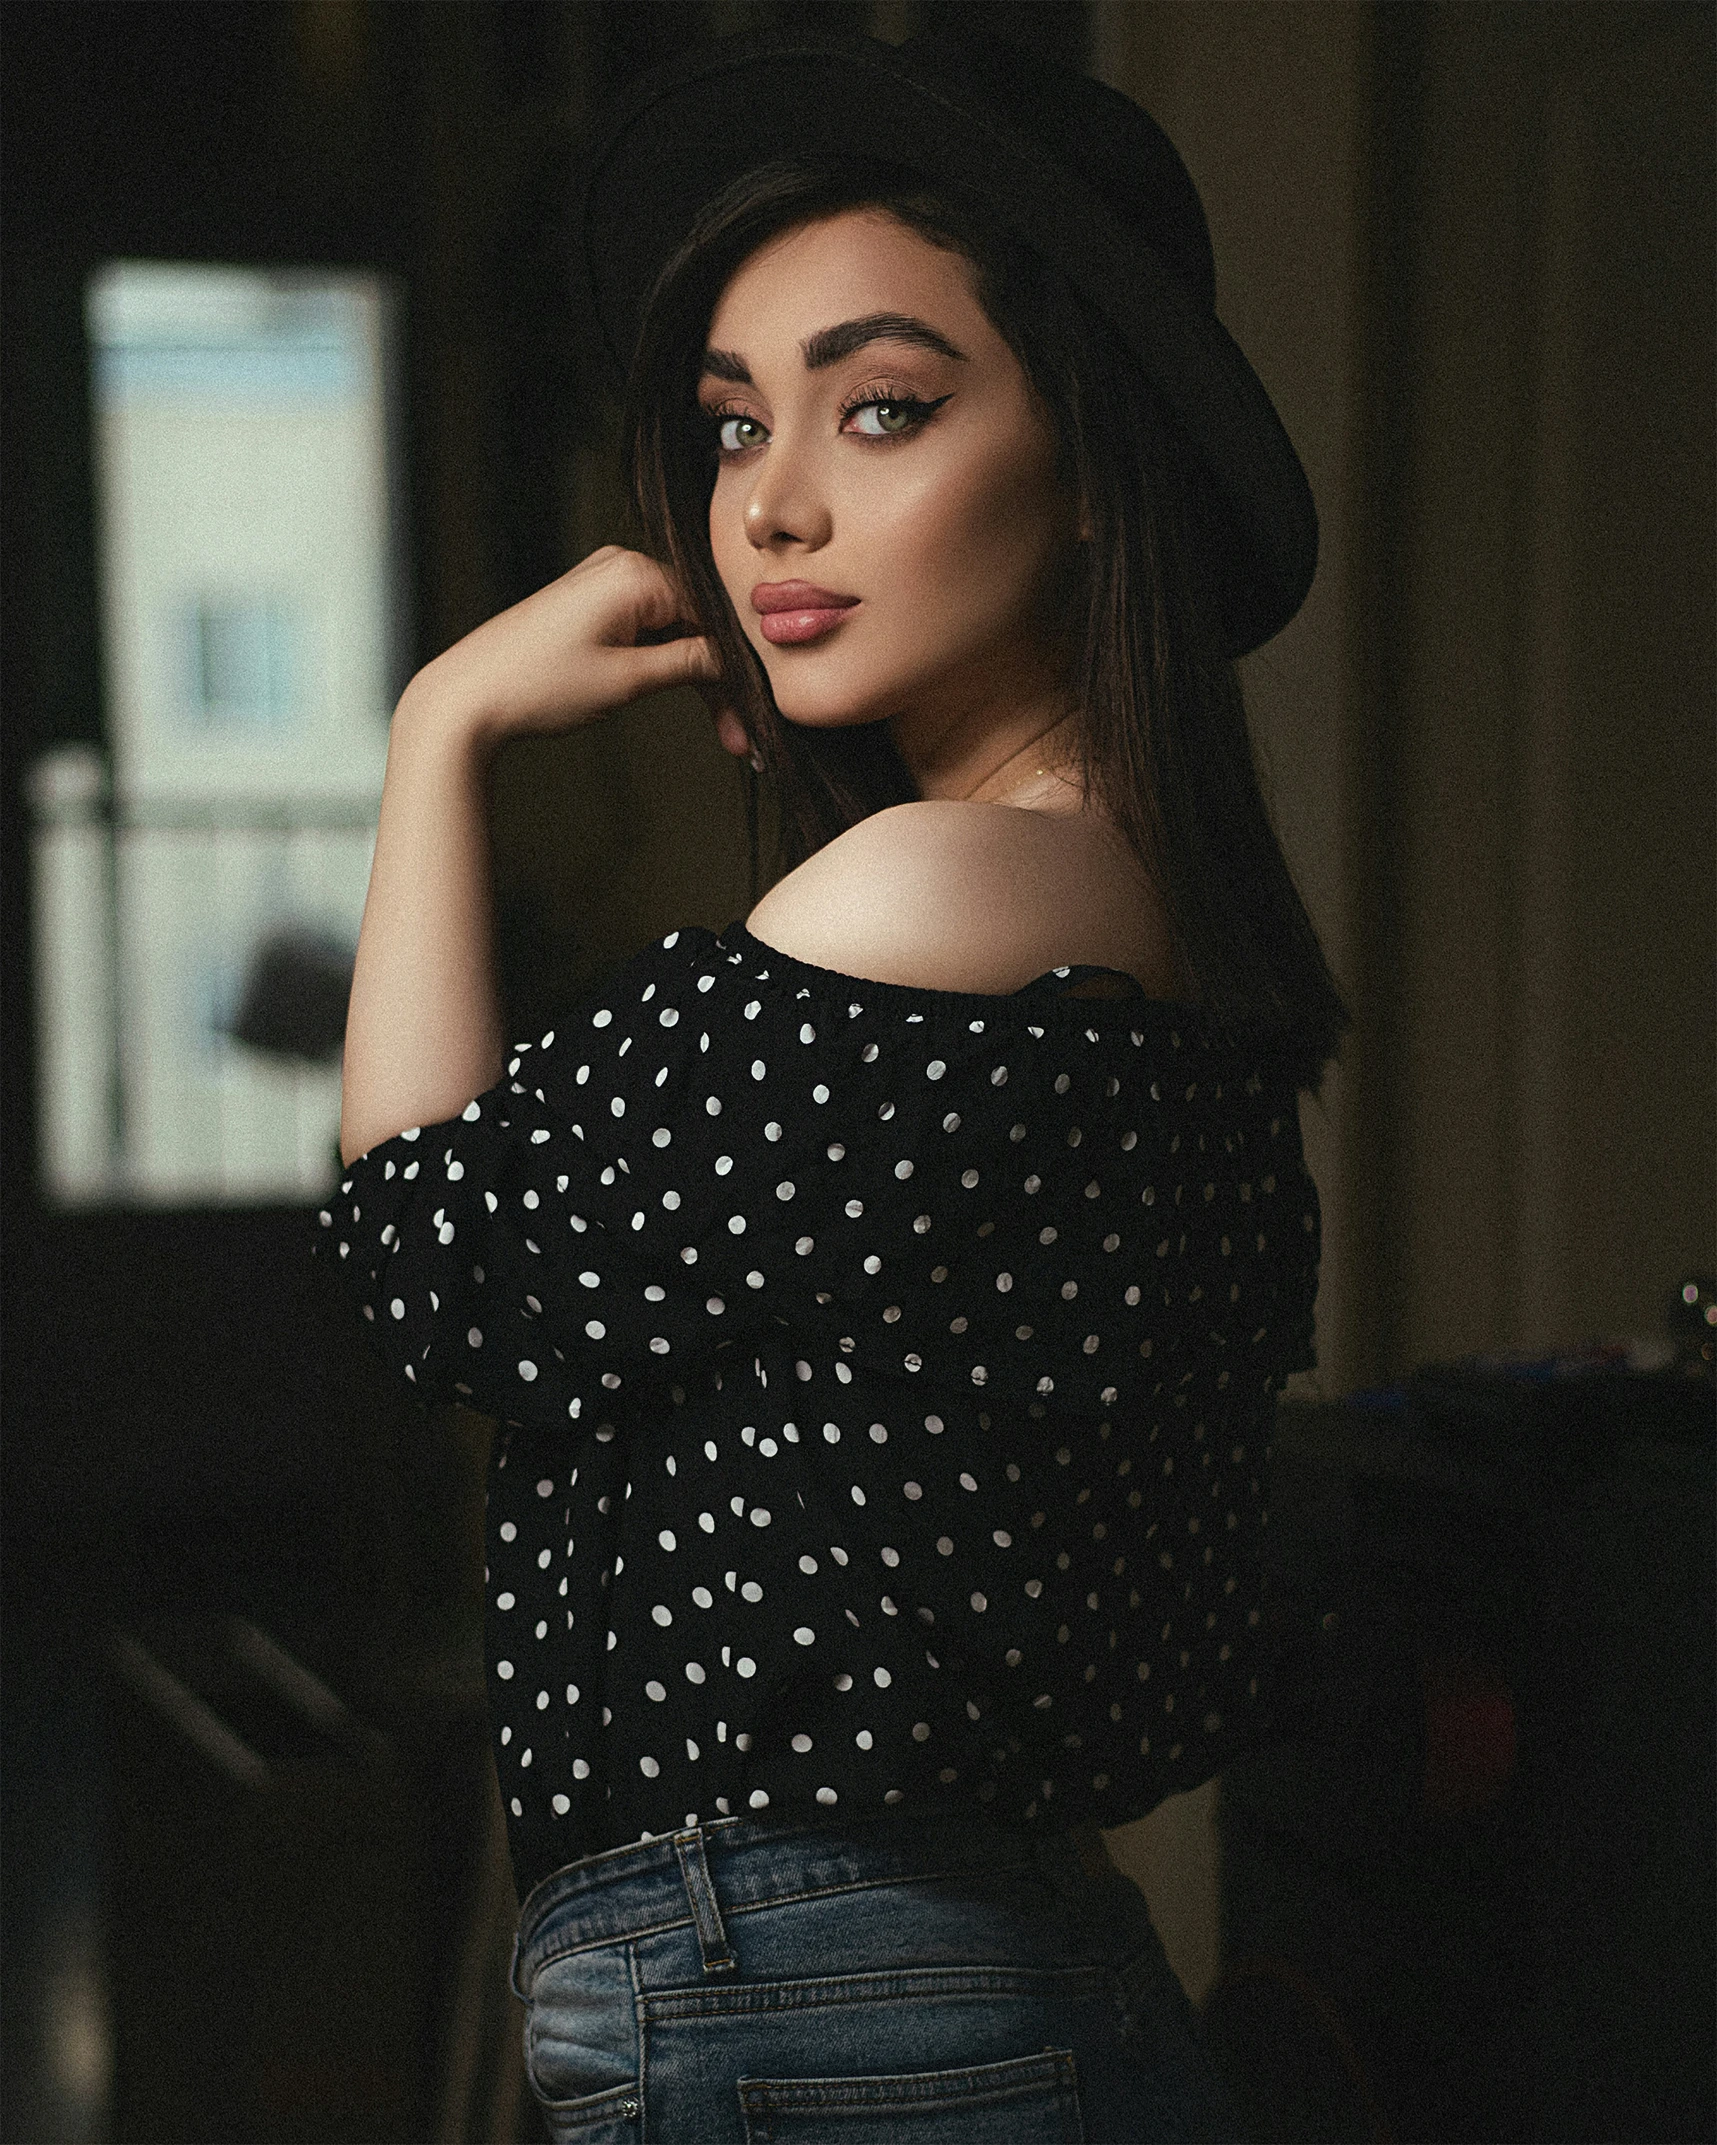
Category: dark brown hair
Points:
column 1163, row 741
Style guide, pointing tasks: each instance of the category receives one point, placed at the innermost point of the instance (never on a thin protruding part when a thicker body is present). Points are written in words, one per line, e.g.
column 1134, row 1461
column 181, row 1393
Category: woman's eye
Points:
column 738, row 433
column 886, row 420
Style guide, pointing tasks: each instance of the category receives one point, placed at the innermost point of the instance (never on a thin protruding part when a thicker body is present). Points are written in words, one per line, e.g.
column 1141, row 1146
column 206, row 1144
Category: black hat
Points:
column 1073, row 168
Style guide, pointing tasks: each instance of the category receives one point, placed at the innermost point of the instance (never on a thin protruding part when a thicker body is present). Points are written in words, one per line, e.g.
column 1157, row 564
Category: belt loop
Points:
column 718, row 1955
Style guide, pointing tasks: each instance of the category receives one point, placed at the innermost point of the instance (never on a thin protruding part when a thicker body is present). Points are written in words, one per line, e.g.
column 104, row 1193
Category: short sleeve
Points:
column 603, row 1217
column 940, row 1189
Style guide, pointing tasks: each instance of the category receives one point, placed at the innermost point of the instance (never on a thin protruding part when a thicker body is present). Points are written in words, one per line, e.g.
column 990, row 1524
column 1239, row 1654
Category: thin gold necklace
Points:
column 990, row 777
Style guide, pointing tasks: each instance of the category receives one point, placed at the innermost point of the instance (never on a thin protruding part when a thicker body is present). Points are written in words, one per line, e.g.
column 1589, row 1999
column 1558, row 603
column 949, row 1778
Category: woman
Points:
column 884, row 1335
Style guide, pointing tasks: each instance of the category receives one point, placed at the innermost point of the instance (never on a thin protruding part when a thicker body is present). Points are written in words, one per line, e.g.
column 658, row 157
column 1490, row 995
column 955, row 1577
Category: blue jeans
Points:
column 939, row 1983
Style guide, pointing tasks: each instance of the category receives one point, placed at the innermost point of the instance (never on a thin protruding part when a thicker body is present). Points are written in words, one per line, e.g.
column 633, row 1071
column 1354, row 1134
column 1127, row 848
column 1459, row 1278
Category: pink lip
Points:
column 797, row 611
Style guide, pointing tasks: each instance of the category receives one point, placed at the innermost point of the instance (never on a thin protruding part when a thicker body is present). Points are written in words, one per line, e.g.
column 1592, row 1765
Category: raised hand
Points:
column 423, row 1031
column 604, row 634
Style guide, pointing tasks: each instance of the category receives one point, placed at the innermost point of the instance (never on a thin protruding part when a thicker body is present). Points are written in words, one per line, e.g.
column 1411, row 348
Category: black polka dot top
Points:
column 885, row 1380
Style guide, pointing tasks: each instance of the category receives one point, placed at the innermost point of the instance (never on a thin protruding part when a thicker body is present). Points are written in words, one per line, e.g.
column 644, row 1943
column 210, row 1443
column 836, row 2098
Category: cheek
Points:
column 736, row 562
column 981, row 530
column 726, row 538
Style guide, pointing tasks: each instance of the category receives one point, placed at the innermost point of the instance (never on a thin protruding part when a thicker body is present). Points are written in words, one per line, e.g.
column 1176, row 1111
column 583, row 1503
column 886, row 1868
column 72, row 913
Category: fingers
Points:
column 731, row 733
column 658, row 598
column 688, row 661
column 701, row 663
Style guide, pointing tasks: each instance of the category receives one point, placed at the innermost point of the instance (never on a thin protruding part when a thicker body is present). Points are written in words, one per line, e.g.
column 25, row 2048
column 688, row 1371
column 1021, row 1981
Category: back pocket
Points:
column 609, row 2118
column 1029, row 2100
column 581, row 2046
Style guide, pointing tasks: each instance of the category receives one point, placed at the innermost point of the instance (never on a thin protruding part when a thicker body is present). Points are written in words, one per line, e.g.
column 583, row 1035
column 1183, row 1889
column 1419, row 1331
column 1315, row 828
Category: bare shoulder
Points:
column 968, row 897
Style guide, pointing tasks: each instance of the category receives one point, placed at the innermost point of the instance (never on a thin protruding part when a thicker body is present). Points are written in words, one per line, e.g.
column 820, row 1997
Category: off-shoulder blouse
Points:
column 885, row 1380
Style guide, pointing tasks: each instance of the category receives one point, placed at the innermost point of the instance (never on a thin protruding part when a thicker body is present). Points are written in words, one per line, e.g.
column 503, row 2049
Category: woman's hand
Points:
column 423, row 1029
column 729, row 730
column 602, row 635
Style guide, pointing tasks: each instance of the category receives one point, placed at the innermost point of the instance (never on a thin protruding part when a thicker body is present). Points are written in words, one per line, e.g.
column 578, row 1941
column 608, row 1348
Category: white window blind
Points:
column 199, row 881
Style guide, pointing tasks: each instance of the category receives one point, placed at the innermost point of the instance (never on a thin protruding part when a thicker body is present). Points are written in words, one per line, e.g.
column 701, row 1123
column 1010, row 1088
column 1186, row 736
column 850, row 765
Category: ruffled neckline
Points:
column 1047, row 993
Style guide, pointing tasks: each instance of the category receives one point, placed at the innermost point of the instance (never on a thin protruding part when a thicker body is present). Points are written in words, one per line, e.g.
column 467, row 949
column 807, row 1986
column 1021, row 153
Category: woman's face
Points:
column 887, row 516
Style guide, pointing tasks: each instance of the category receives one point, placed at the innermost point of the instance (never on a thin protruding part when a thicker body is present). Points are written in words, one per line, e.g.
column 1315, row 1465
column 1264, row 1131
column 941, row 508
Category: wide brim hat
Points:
column 1074, row 169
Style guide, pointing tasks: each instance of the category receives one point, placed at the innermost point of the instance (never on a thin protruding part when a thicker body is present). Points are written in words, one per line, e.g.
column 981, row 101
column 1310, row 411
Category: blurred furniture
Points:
column 1469, row 1895
column 300, row 1914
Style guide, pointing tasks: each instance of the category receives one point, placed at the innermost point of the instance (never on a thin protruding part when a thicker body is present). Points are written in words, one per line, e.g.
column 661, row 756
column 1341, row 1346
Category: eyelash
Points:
column 922, row 411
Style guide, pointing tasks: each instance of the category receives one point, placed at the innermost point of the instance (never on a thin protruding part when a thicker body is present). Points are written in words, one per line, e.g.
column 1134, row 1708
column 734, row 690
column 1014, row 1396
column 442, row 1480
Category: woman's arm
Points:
column 423, row 1030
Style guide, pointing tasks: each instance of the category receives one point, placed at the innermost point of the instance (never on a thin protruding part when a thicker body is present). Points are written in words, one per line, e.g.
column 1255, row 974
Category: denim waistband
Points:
column 679, row 1878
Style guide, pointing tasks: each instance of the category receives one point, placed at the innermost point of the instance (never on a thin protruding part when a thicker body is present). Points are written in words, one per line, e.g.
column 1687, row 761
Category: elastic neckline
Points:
column 1044, row 993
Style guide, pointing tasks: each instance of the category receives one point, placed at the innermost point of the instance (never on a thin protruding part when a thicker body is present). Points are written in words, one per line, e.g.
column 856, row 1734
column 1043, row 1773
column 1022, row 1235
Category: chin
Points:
column 842, row 714
column 833, row 701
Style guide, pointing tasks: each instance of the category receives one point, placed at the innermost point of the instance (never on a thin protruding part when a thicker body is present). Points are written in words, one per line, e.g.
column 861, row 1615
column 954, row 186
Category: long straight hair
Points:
column 1162, row 743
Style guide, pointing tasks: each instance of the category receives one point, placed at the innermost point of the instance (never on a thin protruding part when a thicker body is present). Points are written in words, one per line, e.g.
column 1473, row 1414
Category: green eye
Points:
column 886, row 420
column 891, row 417
column 738, row 433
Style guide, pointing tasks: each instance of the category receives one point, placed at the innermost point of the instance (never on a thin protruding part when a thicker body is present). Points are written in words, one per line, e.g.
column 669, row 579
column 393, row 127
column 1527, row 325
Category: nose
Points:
column 787, row 506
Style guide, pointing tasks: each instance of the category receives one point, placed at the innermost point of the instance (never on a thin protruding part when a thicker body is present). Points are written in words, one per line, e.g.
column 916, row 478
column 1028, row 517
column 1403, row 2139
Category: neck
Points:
column 1034, row 758
column 976, row 755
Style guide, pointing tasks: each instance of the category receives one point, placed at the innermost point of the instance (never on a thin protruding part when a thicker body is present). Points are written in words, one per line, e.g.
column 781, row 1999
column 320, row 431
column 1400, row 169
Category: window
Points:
column 199, row 882
column 239, row 660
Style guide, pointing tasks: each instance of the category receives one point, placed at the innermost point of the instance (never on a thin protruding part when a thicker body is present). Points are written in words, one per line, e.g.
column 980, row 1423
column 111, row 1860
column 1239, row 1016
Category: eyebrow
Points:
column 829, row 345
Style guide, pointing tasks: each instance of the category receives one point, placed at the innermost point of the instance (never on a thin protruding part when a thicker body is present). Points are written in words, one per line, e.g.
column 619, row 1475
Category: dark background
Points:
column 193, row 1431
